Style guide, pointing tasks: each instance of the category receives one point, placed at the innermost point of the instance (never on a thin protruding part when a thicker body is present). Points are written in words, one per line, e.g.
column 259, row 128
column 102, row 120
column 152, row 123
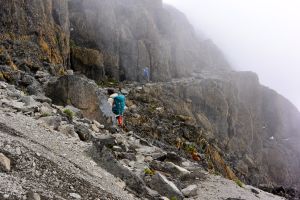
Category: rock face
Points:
column 88, row 62
column 253, row 127
column 33, row 32
column 136, row 34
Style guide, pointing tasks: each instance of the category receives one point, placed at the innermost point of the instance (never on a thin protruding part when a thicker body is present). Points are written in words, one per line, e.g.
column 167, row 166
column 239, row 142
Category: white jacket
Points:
column 111, row 99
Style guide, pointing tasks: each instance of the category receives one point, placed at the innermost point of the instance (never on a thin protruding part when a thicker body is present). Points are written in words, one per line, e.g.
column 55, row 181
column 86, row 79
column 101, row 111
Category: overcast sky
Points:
column 257, row 35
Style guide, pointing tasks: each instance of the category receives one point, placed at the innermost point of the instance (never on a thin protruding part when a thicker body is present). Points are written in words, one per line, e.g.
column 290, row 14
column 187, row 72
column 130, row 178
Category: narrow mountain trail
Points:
column 48, row 161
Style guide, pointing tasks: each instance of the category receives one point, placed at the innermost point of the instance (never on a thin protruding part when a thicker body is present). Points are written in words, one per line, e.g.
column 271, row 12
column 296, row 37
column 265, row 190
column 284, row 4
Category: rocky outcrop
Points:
column 117, row 38
column 76, row 91
column 33, row 32
column 89, row 62
column 135, row 34
column 253, row 128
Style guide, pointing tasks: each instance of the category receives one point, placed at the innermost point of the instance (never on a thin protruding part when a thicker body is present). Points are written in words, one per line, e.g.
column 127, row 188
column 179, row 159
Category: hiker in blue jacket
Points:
column 146, row 74
column 118, row 103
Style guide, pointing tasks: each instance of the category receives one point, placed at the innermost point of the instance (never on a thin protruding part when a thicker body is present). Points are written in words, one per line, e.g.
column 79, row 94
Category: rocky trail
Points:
column 49, row 161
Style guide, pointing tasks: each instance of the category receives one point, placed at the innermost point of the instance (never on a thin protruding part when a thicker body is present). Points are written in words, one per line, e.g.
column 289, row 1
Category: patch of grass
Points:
column 1, row 76
column 73, row 44
column 239, row 183
column 190, row 148
column 61, row 71
column 109, row 83
column 173, row 198
column 44, row 46
column 69, row 113
column 148, row 171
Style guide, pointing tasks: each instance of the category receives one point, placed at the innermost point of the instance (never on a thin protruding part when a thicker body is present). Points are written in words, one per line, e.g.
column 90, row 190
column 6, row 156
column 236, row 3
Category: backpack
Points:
column 119, row 104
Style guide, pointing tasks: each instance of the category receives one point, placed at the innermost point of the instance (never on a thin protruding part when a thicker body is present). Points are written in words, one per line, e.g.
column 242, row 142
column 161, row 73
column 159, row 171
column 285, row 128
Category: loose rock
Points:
column 4, row 163
column 190, row 191
column 75, row 195
column 165, row 187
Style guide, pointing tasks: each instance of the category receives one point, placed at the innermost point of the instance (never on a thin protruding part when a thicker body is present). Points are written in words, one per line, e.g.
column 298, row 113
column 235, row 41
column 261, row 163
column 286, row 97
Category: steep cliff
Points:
column 33, row 33
column 132, row 35
column 255, row 129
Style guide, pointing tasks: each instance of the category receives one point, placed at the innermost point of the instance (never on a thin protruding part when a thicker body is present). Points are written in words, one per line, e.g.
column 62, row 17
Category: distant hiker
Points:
column 117, row 101
column 146, row 74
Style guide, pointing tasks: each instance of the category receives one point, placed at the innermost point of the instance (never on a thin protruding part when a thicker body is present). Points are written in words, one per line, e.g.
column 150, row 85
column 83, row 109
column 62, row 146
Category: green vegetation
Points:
column 173, row 198
column 190, row 148
column 149, row 171
column 72, row 43
column 110, row 82
column 239, row 183
column 69, row 113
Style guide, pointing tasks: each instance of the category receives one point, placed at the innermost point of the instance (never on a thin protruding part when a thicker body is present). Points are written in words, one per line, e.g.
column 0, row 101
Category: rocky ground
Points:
column 43, row 156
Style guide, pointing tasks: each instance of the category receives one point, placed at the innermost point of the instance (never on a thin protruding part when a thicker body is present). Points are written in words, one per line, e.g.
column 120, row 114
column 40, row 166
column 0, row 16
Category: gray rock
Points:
column 190, row 191
column 70, row 72
column 96, row 123
column 75, row 195
column 83, row 131
column 52, row 121
column 33, row 196
column 95, row 128
column 106, row 159
column 19, row 106
column 3, row 85
column 18, row 151
column 35, row 88
column 164, row 198
column 27, row 80
column 117, row 149
column 29, row 101
column 164, row 187
column 125, row 92
column 41, row 98
column 104, row 141
column 46, row 109
column 170, row 168
column 152, row 193
column 67, row 129
column 4, row 163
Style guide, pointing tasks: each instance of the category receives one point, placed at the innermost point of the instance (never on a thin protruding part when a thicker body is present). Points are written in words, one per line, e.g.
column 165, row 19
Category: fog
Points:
column 257, row 35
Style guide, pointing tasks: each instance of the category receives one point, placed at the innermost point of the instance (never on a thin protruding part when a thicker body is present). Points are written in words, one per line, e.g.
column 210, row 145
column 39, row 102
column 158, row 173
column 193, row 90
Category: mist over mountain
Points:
column 261, row 36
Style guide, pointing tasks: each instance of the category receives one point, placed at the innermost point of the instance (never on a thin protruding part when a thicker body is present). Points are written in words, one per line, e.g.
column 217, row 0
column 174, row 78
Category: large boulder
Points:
column 78, row 92
column 163, row 186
